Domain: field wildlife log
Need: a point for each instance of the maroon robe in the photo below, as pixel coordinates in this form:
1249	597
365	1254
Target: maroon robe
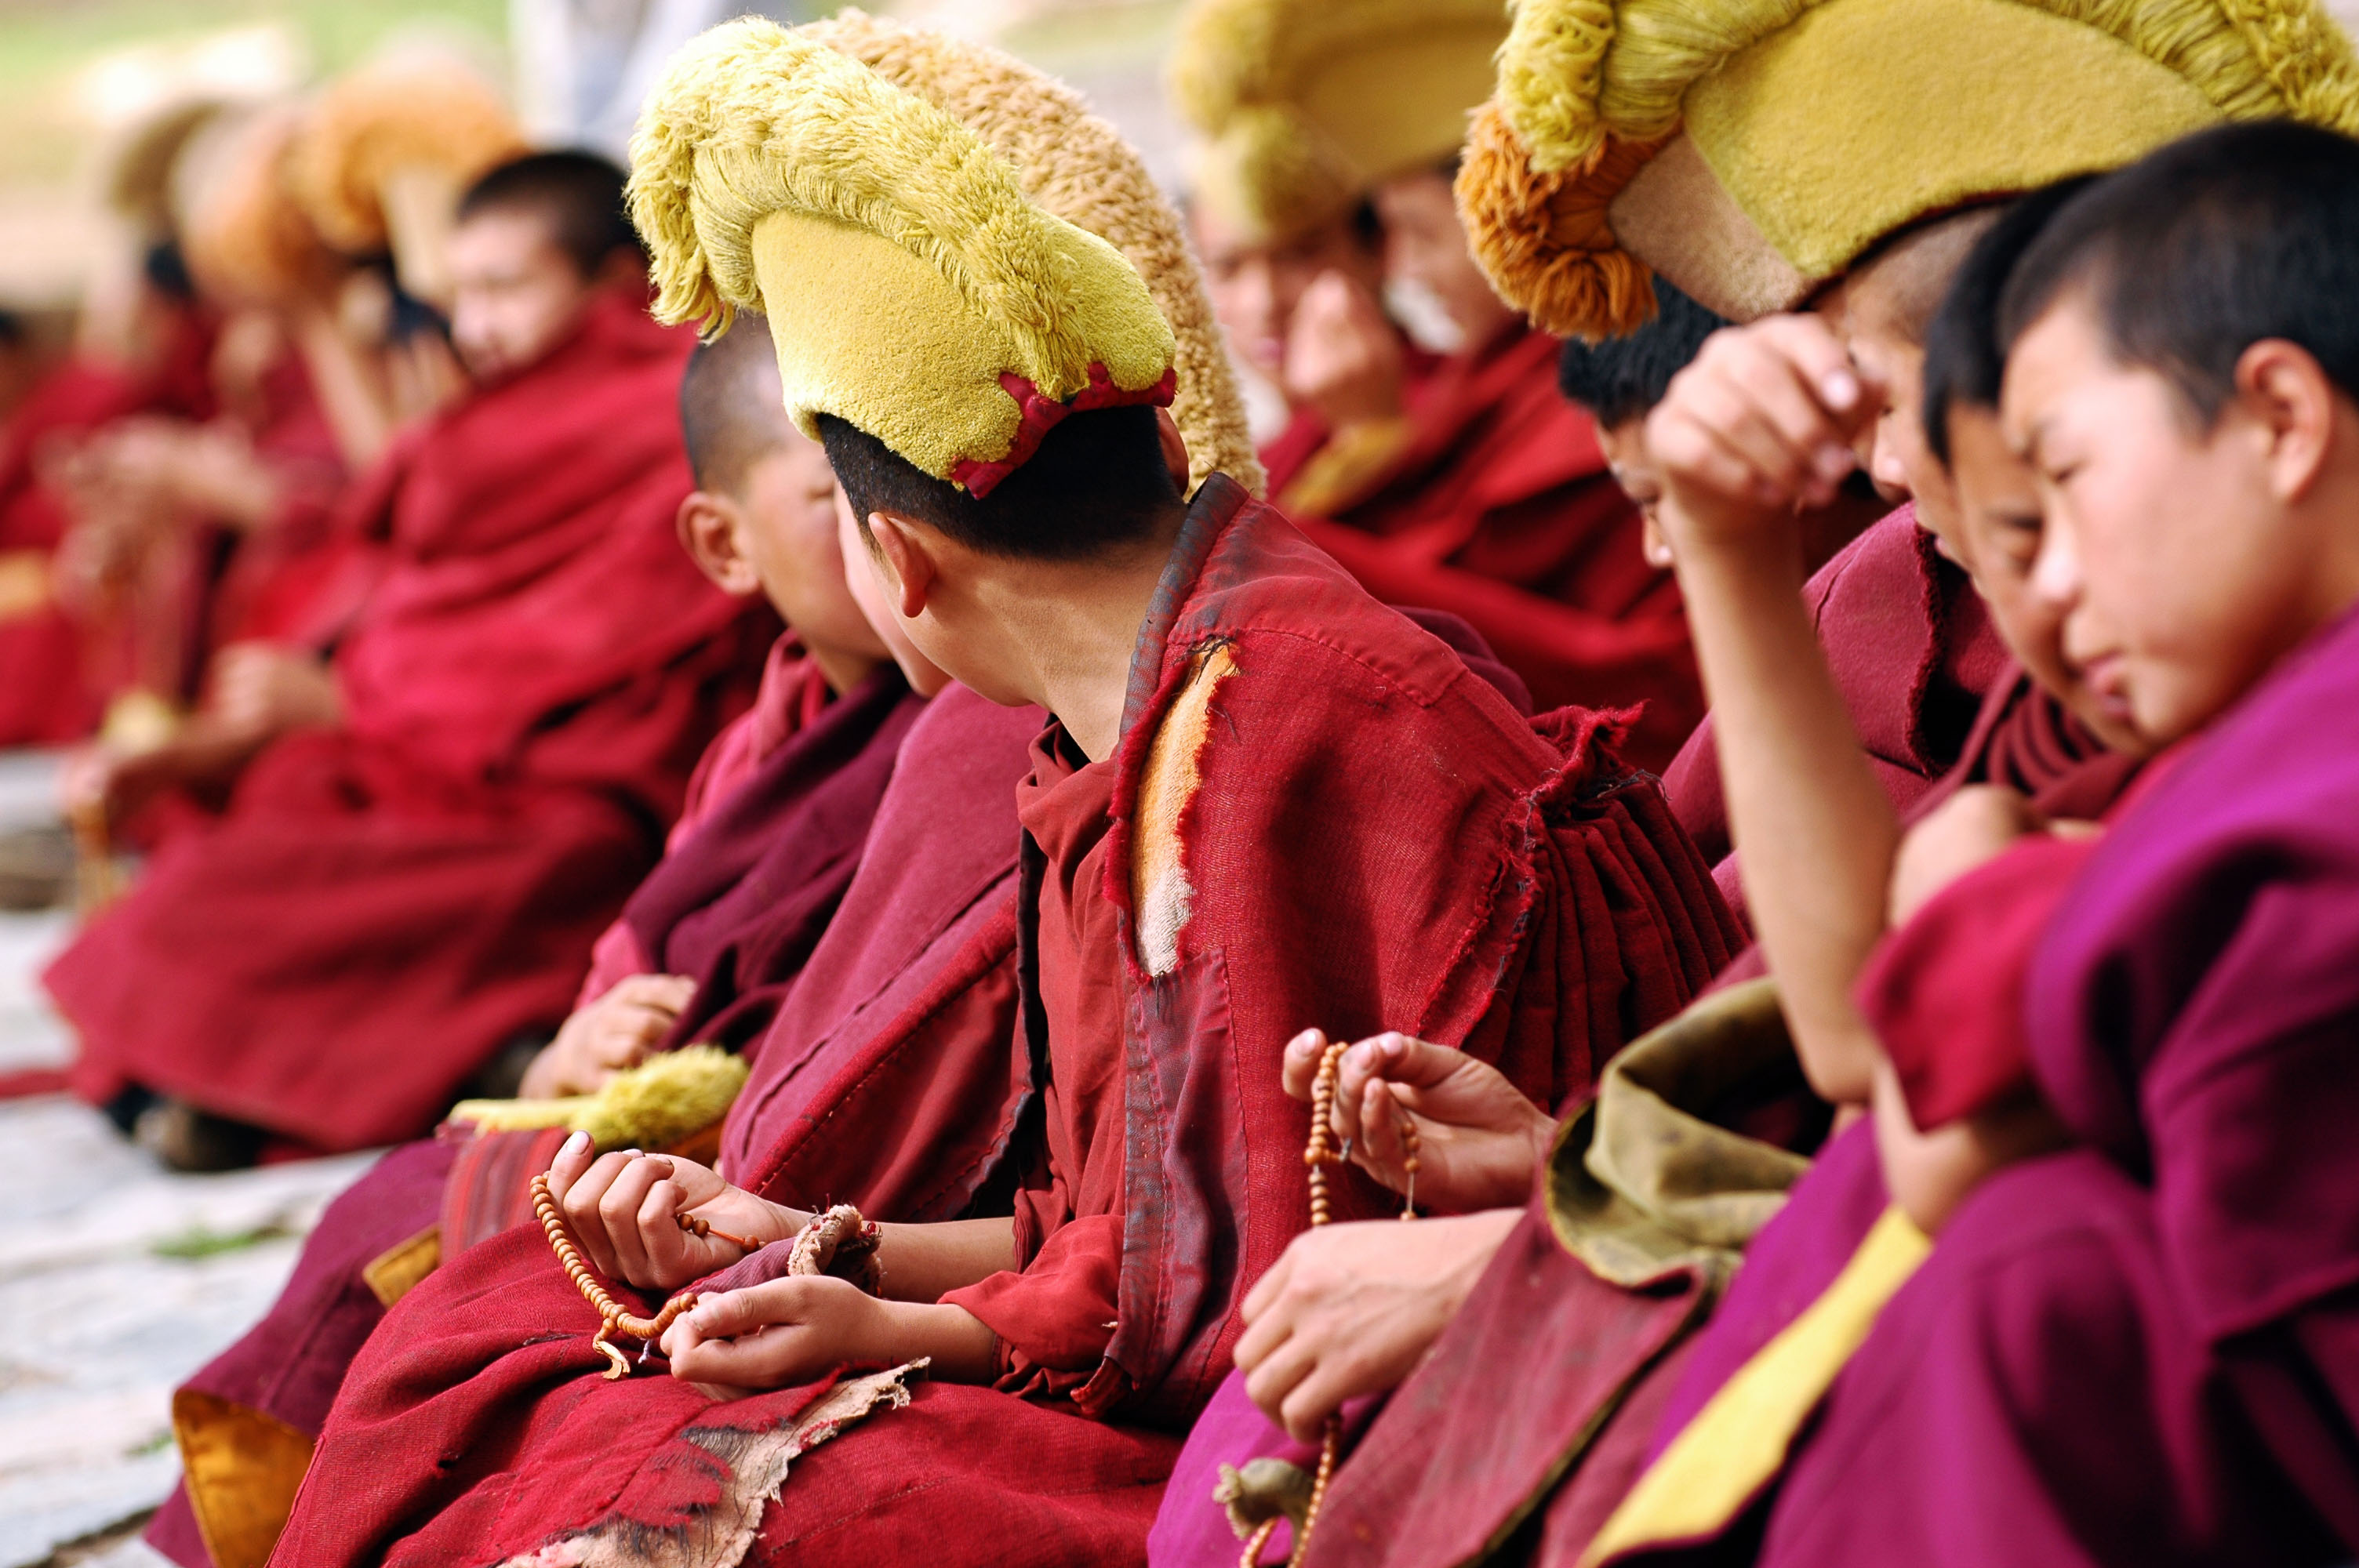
1540	1402
1571	913
1914	654
384	906
1500	508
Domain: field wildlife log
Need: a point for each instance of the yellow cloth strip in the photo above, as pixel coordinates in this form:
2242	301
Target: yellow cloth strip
1738	1441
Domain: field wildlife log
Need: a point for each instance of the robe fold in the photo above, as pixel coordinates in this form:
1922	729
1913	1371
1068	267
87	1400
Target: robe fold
384	906
1494	503
1914	655
59	670
2193	1012
1529	899
787	793
1589	1337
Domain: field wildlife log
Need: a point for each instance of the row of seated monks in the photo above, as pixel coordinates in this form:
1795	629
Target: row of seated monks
946	1081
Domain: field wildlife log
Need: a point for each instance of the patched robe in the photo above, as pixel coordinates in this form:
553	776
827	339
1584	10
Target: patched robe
1531	900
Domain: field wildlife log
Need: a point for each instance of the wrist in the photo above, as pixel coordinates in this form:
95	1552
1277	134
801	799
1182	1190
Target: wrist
963	1350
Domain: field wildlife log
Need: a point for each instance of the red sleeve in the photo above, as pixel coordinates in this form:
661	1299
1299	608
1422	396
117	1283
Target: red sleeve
1055	1318
1944	993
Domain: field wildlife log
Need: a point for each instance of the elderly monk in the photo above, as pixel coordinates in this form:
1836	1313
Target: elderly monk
412	869
1018	496
1460	481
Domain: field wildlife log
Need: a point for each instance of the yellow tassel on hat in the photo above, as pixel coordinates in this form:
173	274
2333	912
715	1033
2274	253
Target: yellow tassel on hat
1750	150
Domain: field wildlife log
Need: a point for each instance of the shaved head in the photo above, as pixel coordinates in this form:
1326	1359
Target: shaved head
732	406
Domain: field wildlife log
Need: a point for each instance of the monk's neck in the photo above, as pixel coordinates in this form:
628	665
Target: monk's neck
840	670
1071	632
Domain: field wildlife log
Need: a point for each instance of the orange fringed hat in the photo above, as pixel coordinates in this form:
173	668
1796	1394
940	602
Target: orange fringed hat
241	228
1752	150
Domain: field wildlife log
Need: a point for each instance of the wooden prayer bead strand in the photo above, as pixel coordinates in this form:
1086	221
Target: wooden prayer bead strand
704	1227
613	1317
1318	1154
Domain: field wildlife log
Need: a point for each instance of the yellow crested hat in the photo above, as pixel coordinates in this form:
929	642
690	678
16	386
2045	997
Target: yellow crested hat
240	226
913	289
1752	150
1079	168
1302	106
386	152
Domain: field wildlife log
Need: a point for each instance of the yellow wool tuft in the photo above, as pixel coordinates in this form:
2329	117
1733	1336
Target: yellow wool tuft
1302	106
1077	167
756	131
1578	78
663	1101
371	123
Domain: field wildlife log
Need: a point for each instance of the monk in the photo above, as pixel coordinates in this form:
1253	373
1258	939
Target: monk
1458	479
764	854
1154	1169
1580	1317
426	834
2178	379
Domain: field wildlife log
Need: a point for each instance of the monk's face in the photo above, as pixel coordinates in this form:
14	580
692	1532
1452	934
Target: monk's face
1255	288
2181	561
1425	249
1625	446
1868	320
515	295
1997	535
861	576
789	534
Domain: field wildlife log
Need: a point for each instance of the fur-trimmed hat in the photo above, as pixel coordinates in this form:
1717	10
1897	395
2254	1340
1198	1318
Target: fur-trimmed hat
1752	150
385	151
242	229
1302	105
1079	168
913	287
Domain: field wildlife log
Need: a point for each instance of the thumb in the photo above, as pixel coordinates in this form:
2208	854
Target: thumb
728	1314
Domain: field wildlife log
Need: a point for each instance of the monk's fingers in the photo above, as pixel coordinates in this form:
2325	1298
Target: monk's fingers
1302	1062
664	993
1693	457
1275	1378
1319	1393
626	1032
1380	1151
669	1250
1816	360
618	1214
1735	415
580	1204
1266	1294
770	1358
573	1157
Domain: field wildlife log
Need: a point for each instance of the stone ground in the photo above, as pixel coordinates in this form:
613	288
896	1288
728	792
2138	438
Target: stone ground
116	1279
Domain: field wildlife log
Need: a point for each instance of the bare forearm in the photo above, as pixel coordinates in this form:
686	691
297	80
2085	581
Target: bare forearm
922	1262
1815	831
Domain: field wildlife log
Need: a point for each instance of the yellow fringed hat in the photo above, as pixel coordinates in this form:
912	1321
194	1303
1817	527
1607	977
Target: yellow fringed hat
240	226
1302	106
1752	150
913	289
386	152
1079	168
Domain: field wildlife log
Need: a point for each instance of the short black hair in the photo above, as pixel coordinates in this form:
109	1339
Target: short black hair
1096	482
2193	254
578	194
1965	364
730	410
1621	379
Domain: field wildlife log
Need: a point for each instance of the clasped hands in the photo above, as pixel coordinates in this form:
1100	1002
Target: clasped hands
1349	1308
623	1210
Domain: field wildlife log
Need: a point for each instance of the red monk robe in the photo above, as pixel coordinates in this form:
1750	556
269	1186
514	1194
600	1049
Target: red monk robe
802	764
298	576
52	692
1498	508
385	906
1542	1396
1914	654
1573	912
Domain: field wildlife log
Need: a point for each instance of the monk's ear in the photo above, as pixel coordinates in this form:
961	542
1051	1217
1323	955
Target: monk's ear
1175	449
908	549
711	529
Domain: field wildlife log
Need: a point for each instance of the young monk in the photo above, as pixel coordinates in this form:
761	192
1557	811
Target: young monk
1111	1290
762	856
1655	1189
1461	481
410	879
2194	459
